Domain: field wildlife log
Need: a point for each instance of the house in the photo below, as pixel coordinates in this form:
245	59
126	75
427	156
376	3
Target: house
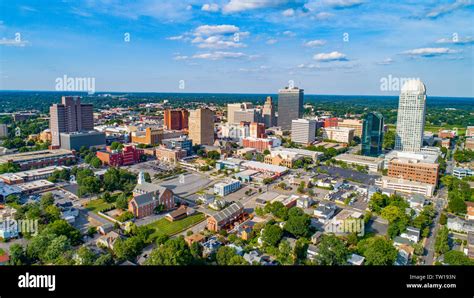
105	228
400	241
253	257
180	213
460	225
4	258
226	217
470	245
210	246
355	260
108	240
148	196
8	229
325	211
199	238
245	230
304	202
412	234
417	201
312	252
238	249
470	210
325	183
403	257
316	237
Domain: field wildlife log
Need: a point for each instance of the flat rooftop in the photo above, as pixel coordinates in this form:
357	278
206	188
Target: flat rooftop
25	156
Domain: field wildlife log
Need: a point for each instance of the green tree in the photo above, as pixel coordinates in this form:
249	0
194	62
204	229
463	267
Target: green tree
85	256
173	252
298	225
377	251
441	242
18	255
331	251
285	254
271	235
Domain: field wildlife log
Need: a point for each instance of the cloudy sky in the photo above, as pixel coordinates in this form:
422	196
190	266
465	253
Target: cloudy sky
239	46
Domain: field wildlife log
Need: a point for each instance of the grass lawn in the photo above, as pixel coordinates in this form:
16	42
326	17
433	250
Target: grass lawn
165	227
97	205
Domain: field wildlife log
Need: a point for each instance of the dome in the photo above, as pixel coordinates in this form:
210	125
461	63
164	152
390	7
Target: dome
416	86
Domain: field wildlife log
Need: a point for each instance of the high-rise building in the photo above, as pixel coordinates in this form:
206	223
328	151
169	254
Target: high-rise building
176	119
70	116
257	130
201	126
290	106
269	112
303	131
411	116
356	124
233	107
248	115
372	134
3	130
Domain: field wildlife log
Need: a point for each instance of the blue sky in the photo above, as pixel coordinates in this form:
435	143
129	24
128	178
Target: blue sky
239	46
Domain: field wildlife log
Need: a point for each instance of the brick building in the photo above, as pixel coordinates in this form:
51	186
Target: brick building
176	119
128	156
225	218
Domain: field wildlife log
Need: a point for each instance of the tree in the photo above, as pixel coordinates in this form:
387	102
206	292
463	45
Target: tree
377	202
18	255
89	185
129	248
62	227
441	242
196	250
285	254
224	255
147	177
391	213
173	252
96	162
85	256
331	251
56	248
298	225
457	205
47	199
377	251
104	260
271	235
389	140
122	201
454	257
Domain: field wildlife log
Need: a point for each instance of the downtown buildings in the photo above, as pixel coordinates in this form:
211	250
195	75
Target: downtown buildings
411	116
176	119
268	113
201	126
70	116
372	134
290	106
303	131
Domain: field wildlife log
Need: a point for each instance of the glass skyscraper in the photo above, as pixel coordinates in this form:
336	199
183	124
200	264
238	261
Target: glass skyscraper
372	134
290	106
411	117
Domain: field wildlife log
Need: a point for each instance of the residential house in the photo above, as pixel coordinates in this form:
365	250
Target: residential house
316	237
253	257
312	252
210	246
108	240
412	234
180	213
470	245
470	210
304	202
356	260
325	211
199	238
225	218
417	201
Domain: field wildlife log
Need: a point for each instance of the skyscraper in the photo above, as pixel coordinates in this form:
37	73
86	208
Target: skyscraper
176	119
233	107
269	112
290	106
411	116
303	131
201	126
70	116
372	134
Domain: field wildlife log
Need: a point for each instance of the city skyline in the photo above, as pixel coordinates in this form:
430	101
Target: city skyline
230	46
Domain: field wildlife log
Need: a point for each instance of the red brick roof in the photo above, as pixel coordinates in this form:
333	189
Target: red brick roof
4	258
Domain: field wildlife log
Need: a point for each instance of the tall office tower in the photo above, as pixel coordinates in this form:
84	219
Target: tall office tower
372	134
411	117
249	115
201	126
233	107
269	112
176	119
257	130
70	116
303	131
290	106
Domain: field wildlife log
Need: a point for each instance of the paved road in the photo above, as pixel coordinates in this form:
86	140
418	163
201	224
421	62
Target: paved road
428	256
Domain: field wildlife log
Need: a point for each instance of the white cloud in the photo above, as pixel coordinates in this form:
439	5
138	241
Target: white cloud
178	37
210	7
430	52
216	42
272	41
448	8
13	42
180	57
288	12
289	33
243	5
339	4
218	55
386	61
453	40
207	30
315	43
327	57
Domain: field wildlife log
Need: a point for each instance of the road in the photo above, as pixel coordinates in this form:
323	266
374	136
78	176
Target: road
428	256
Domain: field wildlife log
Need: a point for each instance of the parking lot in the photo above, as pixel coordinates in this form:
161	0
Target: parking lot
367	179
185	187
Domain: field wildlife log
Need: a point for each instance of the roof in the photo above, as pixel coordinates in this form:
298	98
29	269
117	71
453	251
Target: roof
178	212
355	259
146	198
146	187
228	212
414	86
4	258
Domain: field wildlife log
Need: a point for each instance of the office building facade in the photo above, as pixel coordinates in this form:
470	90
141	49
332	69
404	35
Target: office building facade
201	126
176	119
290	106
268	113
372	134
303	131
411	117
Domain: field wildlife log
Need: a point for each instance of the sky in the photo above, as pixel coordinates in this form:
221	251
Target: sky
340	47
